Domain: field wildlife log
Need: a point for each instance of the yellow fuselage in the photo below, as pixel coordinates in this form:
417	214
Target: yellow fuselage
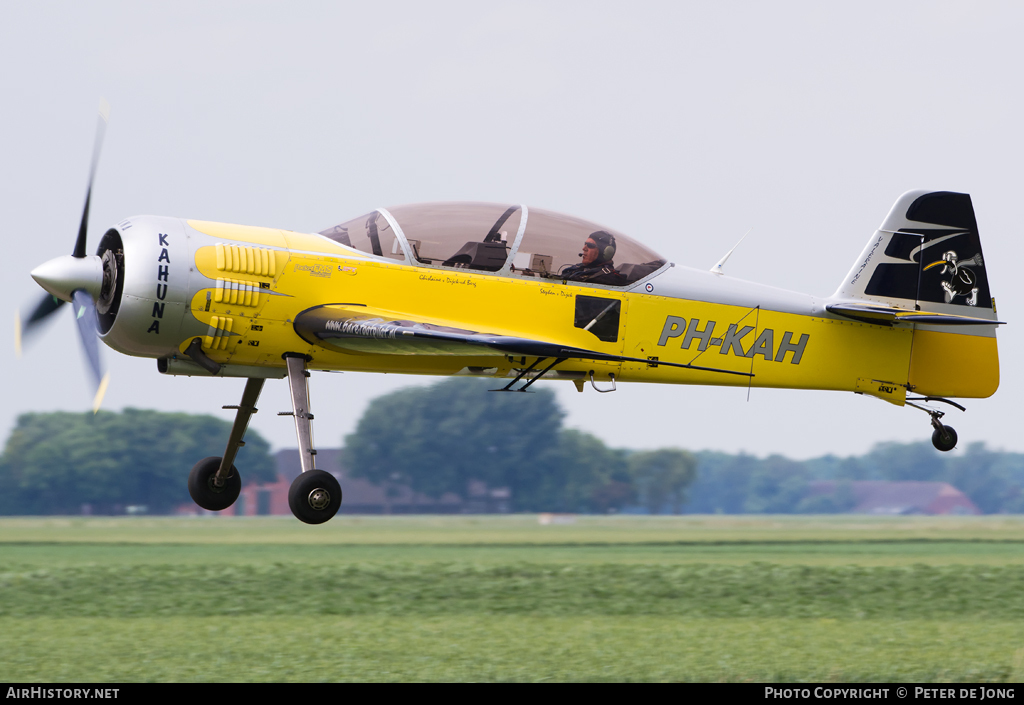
265	278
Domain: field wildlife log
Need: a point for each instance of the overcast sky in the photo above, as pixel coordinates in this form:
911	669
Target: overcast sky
681	124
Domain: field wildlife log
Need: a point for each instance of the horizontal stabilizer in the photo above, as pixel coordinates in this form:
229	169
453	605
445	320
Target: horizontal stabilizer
887	315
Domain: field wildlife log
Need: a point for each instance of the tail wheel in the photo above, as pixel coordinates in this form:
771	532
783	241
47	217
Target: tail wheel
944	438
314	497
206	492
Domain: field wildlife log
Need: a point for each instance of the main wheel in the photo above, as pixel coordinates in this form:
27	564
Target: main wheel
944	438
207	494
314	496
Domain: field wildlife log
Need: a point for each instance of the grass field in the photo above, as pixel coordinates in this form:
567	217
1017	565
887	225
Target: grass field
505	598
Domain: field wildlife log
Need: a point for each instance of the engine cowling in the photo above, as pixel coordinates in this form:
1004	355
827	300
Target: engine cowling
143	305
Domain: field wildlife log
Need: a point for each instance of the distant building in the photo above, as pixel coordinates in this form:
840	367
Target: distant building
898	498
359	496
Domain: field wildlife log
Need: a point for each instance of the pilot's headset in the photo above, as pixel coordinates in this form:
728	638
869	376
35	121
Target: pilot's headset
605	245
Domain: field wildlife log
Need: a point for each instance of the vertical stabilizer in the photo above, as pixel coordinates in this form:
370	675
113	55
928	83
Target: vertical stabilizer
926	254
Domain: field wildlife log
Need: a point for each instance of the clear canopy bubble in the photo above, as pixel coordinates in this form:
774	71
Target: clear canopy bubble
510	239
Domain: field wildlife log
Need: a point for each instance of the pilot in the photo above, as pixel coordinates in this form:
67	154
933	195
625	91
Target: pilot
597	266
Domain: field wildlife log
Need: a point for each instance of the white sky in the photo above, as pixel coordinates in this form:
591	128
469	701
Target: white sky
681	124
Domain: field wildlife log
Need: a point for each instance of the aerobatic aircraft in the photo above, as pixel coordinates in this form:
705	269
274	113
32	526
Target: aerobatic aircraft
519	294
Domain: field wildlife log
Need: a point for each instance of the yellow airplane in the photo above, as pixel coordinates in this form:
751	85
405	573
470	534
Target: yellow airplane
520	294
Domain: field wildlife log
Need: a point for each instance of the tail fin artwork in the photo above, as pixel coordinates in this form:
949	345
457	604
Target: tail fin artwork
926	252
924	266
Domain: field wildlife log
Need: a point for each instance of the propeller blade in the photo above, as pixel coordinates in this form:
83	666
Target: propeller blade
88	333
75	275
24	328
47	305
101	128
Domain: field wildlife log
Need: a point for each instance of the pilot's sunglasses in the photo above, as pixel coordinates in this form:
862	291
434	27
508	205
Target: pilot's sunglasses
590	245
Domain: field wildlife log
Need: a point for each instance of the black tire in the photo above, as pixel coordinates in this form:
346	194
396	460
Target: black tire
944	439
314	496
206	494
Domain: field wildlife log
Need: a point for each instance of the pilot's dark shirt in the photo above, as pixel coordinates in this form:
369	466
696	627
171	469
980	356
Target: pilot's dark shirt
603	273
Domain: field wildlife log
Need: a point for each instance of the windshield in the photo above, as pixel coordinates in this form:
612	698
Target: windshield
369	233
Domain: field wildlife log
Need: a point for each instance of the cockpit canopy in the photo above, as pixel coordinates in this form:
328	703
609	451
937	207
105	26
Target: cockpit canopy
509	239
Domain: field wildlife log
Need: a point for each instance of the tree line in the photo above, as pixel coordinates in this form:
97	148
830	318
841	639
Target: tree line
743	484
54	463
439	439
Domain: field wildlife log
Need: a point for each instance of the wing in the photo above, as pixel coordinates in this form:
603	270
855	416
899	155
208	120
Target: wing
887	315
353	328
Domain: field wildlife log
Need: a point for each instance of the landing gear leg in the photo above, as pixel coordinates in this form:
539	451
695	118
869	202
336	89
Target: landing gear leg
315	495
943	437
214	483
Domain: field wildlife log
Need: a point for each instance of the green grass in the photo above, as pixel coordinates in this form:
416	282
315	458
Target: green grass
833	553
507	648
504	598
513	529
754	590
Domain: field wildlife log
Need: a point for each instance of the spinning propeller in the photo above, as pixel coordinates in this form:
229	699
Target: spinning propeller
78	278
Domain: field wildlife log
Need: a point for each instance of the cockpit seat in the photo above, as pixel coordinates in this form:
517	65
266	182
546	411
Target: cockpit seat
486	256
